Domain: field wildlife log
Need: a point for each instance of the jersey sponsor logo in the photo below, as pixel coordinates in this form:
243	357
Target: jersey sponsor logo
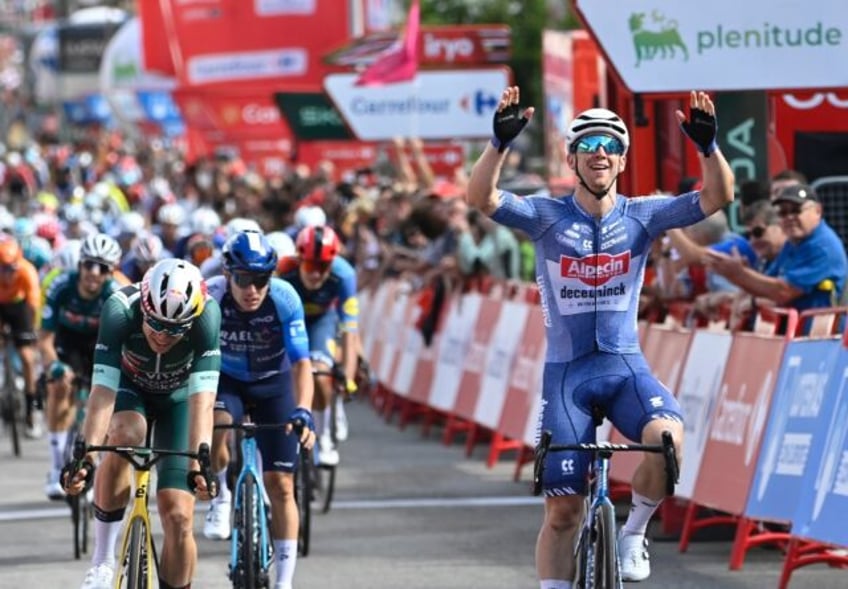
596	269
297	328
263	319
210	353
351	306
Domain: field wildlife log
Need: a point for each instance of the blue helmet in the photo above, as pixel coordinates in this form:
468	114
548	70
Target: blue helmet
249	251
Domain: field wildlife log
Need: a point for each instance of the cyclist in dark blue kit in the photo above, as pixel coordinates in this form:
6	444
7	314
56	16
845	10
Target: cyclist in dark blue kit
265	363
326	283
591	250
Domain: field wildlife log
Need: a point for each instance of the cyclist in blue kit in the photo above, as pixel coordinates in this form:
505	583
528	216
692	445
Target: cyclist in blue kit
591	250
265	365
326	283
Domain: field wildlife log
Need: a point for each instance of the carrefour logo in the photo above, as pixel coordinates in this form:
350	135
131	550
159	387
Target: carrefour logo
479	102
657	37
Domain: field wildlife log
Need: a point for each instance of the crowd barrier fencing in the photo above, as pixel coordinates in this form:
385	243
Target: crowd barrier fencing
766	435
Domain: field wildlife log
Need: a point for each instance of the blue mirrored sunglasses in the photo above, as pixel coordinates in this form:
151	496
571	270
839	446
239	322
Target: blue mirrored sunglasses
592	143
172	329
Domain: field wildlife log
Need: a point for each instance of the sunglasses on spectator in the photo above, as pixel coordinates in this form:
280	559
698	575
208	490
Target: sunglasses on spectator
93	266
244	280
172	329
311	266
755	232
592	143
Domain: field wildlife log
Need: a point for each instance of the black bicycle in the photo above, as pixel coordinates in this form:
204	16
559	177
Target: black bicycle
11	398
596	555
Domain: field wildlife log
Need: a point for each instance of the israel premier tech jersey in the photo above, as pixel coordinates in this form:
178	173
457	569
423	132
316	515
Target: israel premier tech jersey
590	271
262	343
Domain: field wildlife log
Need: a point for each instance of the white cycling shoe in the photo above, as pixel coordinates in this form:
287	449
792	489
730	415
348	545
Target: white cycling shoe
635	560
341	421
328	455
98	577
217	524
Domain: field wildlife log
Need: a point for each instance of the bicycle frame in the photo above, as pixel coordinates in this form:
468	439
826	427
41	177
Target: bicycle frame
250	461
140	513
598	501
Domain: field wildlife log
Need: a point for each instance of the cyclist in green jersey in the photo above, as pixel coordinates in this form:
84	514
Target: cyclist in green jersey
157	358
70	318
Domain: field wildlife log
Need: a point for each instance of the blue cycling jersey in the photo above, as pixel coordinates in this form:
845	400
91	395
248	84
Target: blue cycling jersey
338	292
262	343
589	270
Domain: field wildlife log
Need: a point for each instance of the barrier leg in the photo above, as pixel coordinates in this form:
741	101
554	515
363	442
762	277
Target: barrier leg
430	418
499	444
740	543
454	425
788	563
471	439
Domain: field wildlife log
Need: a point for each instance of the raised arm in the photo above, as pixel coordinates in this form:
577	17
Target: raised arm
701	128
482	190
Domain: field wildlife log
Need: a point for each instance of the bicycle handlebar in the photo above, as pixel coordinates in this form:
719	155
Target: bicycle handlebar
606	449
251	428
144	458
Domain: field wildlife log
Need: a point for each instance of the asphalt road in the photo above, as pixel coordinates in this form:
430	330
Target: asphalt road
410	512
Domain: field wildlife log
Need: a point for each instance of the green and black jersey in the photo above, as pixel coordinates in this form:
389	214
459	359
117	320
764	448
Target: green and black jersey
67	313
124	360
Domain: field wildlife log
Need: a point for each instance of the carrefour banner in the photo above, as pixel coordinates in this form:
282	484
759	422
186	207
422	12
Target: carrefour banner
800	413
823	506
669	46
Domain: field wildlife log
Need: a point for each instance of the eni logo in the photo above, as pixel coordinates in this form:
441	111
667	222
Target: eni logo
661	42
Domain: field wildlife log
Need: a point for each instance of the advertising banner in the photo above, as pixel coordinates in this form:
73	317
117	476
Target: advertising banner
225	41
526	372
457	333
743	134
665	350
395	319
671	46
311	115
824	495
800	411
371	332
345	155
473	370
455	104
500	358
697	393
742	408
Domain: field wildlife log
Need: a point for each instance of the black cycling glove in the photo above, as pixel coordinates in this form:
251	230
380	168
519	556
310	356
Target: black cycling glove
507	125
701	128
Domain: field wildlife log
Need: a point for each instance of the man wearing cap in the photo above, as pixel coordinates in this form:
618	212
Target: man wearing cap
810	270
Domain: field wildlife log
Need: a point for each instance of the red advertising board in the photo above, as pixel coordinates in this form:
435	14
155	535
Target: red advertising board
521	393
217	42
470	383
438	46
345	155
245	112
741	413
824	111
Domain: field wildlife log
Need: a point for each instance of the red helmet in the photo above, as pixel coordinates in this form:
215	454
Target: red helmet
10	251
317	244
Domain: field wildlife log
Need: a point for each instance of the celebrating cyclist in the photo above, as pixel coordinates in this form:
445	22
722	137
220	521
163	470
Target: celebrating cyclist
70	319
326	283
20	299
265	371
157	359
591	249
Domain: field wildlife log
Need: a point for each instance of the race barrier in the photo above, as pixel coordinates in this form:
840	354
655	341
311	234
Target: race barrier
766	448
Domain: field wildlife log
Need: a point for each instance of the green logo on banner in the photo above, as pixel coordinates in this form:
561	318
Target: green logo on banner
311	116
661	40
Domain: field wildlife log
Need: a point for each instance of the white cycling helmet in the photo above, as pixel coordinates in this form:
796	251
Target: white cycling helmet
171	214
597	120
68	256
310	216
240	224
204	220
147	249
101	248
131	223
173	291
282	243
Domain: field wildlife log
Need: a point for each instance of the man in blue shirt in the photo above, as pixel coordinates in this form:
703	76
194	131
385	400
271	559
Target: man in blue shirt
810	270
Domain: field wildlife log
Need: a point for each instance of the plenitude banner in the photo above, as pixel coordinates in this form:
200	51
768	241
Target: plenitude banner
672	46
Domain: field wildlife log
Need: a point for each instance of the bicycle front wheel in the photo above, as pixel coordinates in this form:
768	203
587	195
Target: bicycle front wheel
605	569
303	496
136	557
248	533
